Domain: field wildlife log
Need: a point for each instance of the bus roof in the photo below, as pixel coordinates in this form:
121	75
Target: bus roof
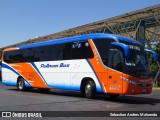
81	38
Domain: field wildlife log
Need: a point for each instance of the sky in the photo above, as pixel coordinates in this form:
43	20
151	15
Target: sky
21	20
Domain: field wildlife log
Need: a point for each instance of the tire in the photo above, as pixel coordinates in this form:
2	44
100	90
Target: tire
21	84
89	89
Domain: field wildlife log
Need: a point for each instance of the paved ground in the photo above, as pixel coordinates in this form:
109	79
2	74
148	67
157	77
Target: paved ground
13	100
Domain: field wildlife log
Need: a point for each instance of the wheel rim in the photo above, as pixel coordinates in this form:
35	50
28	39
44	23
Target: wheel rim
88	90
20	84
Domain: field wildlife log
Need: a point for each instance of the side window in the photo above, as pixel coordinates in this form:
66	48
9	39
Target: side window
18	56
87	51
103	46
77	50
9	57
66	51
81	50
46	53
54	52
26	55
60	51
115	59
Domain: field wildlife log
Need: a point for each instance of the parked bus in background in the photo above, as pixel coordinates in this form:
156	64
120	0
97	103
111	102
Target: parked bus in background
92	63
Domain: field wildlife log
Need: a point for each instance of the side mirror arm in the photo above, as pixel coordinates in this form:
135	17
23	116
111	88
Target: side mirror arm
155	56
123	46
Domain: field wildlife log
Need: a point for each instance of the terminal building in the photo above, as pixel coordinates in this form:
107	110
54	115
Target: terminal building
142	25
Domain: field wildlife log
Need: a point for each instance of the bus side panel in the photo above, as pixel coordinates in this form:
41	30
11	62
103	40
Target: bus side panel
10	75
109	79
98	68
61	74
115	85
30	74
66	74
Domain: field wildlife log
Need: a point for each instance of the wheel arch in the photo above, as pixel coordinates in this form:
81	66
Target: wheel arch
19	78
27	84
85	80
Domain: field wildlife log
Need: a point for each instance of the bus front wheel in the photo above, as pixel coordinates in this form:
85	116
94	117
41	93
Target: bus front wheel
89	89
21	84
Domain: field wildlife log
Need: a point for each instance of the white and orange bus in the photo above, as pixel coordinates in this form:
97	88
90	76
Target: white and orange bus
92	63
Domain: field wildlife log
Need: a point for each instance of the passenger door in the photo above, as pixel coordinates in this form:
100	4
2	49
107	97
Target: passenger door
116	67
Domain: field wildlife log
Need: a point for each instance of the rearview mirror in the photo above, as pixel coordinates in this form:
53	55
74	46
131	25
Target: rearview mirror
123	46
155	56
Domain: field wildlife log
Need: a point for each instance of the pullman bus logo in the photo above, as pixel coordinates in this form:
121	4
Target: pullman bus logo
54	66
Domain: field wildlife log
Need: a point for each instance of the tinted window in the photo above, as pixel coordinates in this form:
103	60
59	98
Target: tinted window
103	46
43	53
60	52
81	50
46	53
10	56
115	60
66	51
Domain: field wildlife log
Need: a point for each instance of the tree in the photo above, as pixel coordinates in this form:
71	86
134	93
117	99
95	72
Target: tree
154	66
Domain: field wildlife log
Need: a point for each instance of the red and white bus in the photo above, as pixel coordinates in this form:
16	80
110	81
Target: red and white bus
92	63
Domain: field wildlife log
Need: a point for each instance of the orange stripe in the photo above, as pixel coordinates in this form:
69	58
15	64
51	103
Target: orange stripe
9	49
120	86
30	74
101	72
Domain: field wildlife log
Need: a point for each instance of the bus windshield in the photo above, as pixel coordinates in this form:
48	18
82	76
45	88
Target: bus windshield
136	63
